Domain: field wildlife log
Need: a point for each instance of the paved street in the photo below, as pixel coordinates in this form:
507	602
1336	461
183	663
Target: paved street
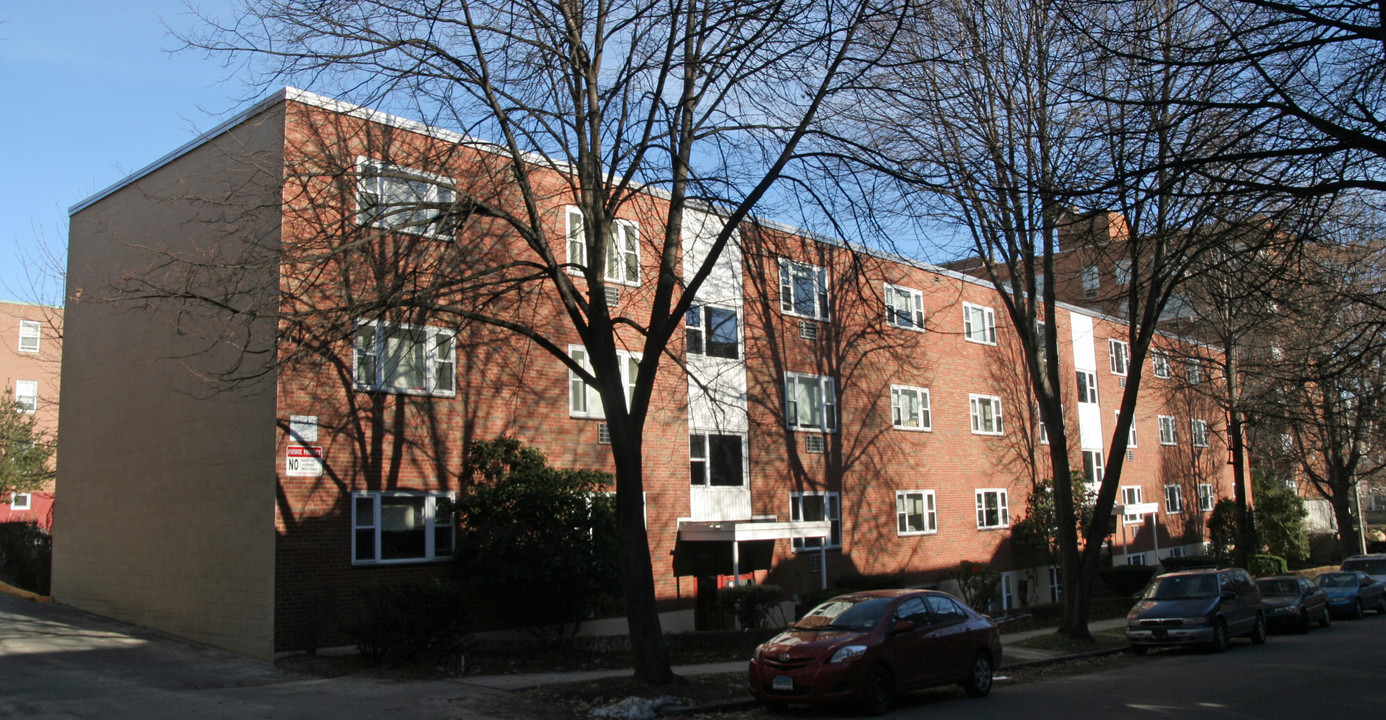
59	663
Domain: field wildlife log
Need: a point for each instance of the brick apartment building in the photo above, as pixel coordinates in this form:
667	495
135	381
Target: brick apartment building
32	339
836	411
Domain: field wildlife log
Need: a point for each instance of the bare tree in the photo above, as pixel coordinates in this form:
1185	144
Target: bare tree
653	109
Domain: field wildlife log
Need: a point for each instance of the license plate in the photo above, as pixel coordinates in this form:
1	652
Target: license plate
1160	634
782	682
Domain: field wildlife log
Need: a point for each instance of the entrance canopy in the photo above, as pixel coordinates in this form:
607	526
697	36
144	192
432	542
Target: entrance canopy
735	532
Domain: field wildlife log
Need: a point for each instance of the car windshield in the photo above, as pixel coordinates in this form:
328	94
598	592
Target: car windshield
1371	566
1278	587
1337	580
1183	586
848	612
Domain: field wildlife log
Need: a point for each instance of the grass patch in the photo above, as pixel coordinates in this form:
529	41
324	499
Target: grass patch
1101	640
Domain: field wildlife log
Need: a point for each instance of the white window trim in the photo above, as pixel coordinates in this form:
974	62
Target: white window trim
915	310
930	502
707	462
432	362
1099	466
926	417
796	510
1206	500
705	328
21	501
26	395
1003	508
1092	281
821	298
30	330
988	330
622	244
1159	365
1089	379
1193	371
974	403
827	414
440	185
574	240
431	554
1198	431
1119	350
1126	492
1178	505
1166	422
1131	434
592	398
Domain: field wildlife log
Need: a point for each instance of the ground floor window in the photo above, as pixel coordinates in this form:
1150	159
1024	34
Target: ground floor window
816	506
392	527
1056	584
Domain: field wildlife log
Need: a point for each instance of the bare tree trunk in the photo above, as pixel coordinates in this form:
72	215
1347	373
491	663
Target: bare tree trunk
649	652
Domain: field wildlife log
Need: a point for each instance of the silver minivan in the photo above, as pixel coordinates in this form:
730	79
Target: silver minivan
1197	607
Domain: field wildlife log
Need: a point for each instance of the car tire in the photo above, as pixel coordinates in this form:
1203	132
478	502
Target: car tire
1303	622
1258	631
877	690
1357	610
1326	619
1219	644
979	682
1381	608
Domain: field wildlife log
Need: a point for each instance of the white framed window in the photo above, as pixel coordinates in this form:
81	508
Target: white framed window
979	324
405	359
1131	434
993	510
26	395
622	248
1131	495
406	200
1193	371
21	501
1056	584
909	408
1091	281
915	512
1135	558
1168	435
1174	499
803	290
1093	467
1118	352
986	414
717	460
713	331
1121	269
904	307
816	506
584	400
1043	433
1205	497
30	335
810	402
1007	590
1087	386
1159	364
1199	432
399	527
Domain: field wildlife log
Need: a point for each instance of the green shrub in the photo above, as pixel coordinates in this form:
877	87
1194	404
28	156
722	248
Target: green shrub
1190	562
1126	580
410	622
881	581
1267	565
752	604
26	556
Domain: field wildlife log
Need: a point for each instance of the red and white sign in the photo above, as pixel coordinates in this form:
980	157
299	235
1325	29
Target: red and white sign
303	461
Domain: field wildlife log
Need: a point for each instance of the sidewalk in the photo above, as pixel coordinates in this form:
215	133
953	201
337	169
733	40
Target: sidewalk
1013	656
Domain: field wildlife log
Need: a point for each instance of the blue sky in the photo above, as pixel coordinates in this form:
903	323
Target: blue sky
91	94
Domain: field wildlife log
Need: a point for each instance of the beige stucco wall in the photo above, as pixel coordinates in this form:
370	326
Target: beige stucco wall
168	478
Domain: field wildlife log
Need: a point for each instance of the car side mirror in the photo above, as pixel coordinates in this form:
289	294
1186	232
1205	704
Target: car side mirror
902	627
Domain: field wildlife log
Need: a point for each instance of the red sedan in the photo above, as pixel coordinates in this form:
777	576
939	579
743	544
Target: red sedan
866	647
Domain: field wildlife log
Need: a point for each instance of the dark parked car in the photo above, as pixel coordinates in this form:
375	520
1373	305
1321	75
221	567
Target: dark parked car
868	646
1353	592
1292	602
1197	607
1374	565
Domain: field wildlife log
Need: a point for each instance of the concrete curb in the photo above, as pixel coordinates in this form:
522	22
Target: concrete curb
24	594
1058	659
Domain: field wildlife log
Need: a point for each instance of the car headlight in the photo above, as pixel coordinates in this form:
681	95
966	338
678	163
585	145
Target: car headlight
847	652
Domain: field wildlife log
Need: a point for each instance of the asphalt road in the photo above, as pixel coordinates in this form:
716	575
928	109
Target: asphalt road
59	663
1332	673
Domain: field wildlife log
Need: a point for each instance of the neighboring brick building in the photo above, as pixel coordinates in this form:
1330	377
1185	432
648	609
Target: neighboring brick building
31	336
841	412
